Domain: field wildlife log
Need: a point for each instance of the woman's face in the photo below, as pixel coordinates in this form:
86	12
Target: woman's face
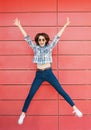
41	41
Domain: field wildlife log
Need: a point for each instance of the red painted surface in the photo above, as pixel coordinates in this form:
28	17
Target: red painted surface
70	5
71	64
33	122
23	6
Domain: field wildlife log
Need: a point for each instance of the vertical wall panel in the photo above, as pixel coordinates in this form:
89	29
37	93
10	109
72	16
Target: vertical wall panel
72	45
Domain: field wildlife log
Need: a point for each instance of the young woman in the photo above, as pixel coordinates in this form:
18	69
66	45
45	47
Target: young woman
43	59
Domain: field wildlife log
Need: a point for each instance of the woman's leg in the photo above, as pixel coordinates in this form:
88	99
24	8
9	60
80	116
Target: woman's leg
54	82
35	85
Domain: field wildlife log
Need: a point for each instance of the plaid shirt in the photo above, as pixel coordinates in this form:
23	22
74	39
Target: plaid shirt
42	55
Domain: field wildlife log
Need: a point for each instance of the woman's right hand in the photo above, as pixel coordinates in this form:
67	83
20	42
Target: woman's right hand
17	22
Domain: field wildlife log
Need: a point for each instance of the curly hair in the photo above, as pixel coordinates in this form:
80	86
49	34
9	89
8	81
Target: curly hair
44	35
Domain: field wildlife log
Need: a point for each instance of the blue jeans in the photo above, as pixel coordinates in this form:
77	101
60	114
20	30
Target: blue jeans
41	76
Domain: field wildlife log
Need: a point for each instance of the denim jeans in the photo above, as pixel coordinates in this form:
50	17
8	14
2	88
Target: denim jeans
41	76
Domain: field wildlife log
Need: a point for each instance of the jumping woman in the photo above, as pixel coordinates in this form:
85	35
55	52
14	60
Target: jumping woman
43	60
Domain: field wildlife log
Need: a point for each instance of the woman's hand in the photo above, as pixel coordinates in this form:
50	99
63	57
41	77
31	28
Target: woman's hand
17	22
68	21
63	28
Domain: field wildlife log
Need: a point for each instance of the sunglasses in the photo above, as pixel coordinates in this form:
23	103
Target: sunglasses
41	39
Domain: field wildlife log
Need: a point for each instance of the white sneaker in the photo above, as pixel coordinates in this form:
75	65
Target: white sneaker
77	113
21	119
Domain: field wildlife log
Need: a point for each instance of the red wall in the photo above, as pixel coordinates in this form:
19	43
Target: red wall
71	64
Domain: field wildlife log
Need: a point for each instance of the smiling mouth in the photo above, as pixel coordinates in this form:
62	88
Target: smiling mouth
42	44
